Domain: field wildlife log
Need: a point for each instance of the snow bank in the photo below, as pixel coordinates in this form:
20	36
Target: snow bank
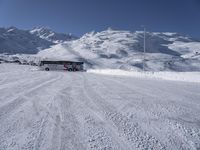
175	76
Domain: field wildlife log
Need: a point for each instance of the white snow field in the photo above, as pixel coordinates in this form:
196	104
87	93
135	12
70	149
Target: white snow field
174	76
85	111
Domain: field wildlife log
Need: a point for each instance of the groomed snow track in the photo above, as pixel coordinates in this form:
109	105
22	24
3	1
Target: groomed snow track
82	111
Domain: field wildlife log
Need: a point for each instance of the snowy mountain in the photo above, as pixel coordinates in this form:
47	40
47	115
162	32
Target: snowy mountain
124	50
49	35
113	49
13	40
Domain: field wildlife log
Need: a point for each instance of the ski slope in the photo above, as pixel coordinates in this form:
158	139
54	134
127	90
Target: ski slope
85	111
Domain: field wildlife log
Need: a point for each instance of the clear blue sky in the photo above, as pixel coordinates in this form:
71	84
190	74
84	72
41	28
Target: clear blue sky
81	16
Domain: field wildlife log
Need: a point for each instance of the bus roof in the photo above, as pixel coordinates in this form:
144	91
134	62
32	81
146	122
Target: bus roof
59	62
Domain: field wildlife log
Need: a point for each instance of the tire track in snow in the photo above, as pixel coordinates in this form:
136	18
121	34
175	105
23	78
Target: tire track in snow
42	113
136	137
3	80
138	106
97	134
14	79
70	127
39	122
176	129
98	111
38	138
49	126
177	135
65	128
49	130
56	137
20	82
12	90
106	129
22	98
165	94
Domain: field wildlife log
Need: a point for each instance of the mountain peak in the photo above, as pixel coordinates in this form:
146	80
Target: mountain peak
41	30
14	40
50	35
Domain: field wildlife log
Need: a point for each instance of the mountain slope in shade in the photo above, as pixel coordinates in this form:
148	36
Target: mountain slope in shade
13	40
124	50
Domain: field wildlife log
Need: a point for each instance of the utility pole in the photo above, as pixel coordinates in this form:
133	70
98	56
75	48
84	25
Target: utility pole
143	64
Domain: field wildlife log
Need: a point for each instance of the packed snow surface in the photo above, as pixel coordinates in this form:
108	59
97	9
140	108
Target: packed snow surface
175	76
85	111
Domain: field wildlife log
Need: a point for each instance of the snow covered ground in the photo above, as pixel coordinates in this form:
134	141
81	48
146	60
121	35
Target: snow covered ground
174	76
78	111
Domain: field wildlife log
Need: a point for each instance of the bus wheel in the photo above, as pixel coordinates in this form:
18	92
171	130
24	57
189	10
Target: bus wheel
47	69
70	69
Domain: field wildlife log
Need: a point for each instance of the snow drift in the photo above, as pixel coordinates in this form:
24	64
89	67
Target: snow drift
174	76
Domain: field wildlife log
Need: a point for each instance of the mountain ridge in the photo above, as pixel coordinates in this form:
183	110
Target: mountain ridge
14	40
113	49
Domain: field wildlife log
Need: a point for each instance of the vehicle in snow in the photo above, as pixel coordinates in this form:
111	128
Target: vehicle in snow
24	62
61	65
